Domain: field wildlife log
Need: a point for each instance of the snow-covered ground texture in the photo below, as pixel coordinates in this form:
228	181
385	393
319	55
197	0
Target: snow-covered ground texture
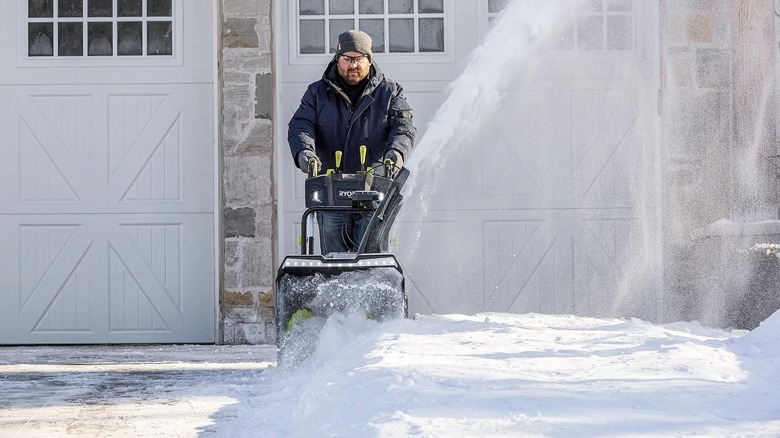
519	375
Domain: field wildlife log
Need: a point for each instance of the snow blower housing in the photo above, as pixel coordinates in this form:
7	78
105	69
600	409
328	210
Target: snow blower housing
369	280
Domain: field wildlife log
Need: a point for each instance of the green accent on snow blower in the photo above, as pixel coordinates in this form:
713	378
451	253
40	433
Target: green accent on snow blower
298	317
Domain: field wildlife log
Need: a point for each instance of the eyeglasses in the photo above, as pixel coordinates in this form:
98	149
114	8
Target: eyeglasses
350	59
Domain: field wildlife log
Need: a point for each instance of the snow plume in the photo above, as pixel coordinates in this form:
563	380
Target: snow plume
477	93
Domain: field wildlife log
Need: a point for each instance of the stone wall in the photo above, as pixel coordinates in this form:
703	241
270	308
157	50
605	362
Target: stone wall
247	299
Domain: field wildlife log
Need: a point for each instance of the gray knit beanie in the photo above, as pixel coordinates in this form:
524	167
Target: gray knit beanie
354	41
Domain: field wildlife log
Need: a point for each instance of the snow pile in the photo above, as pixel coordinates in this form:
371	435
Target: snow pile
519	375
763	342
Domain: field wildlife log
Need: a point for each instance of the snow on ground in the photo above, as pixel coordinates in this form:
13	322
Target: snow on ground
488	375
519	375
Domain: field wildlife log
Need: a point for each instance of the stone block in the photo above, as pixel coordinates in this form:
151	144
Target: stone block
239	32
246	180
240	313
246	60
680	68
238	299
712	68
237	94
699	29
264	222
243	8
265	34
267	306
239	222
231	253
256	140
256	271
264	96
230	280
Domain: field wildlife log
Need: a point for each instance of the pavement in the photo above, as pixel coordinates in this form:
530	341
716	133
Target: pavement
126	390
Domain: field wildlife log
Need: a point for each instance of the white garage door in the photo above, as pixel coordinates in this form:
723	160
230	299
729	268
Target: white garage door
107	181
537	214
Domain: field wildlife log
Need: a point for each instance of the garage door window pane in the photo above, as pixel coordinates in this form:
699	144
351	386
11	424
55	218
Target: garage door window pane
70	8
342	7
312	37
159	38
401	35
130	39
129	8
372	7
41	39
590	34
619	5
619	32
100	8
431	35
159	8
71	39
100	38
401	7
591	6
431	6
376	30
496	6
312	7
40	8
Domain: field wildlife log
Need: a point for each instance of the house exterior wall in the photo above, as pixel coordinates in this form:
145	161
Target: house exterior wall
247	298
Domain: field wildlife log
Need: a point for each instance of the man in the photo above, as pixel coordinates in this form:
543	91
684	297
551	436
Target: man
353	104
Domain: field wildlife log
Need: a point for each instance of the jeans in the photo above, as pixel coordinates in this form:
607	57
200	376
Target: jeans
341	232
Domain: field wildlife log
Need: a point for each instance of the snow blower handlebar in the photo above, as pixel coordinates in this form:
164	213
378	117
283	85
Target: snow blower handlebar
388	166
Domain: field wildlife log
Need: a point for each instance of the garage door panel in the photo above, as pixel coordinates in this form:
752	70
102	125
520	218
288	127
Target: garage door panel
106	151
604	136
519	264
438	275
148	167
47	167
137	299
54	266
108	278
603	250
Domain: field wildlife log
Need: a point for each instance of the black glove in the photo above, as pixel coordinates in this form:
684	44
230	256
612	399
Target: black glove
393	161
305	157
396	157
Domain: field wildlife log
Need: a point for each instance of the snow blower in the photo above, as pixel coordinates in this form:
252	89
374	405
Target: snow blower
368	281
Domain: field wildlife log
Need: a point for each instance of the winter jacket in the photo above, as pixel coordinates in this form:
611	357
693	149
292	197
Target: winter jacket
326	121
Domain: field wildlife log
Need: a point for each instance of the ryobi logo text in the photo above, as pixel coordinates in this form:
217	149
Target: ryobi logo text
346	193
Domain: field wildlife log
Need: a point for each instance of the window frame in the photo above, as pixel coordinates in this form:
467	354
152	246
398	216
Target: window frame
25	60
577	52
446	56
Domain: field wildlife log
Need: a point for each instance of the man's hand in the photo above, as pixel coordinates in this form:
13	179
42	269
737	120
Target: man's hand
307	158
395	157
393	161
